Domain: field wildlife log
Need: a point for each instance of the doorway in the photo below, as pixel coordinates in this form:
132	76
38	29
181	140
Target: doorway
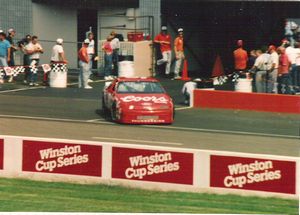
87	20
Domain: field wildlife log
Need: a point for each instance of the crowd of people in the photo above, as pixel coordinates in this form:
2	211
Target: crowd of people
32	50
274	69
86	56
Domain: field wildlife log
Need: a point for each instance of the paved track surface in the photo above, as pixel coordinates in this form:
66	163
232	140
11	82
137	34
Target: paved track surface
75	114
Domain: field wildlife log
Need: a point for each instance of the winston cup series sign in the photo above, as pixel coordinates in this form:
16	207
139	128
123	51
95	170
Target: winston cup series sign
253	174
152	165
1	153
63	158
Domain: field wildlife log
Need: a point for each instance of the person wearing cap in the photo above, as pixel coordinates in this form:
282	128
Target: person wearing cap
115	45
179	53
58	54
10	39
34	50
84	61
240	58
57	57
272	86
13	48
4	50
164	40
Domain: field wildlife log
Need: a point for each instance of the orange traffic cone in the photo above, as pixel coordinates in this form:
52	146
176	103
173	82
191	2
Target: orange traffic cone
185	76
218	69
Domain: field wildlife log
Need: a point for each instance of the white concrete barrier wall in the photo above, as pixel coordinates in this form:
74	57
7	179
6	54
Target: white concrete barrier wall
149	167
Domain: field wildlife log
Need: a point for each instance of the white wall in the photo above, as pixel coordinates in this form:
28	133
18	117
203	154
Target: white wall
51	22
114	21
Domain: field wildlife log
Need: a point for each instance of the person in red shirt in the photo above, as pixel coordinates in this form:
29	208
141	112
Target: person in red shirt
164	39
284	79
84	66
240	57
179	52
108	58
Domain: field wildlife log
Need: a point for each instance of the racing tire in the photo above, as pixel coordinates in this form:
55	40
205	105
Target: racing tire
105	110
113	112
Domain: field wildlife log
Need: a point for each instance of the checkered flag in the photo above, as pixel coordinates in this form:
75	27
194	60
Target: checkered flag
235	77
2	73
17	70
33	69
59	67
222	80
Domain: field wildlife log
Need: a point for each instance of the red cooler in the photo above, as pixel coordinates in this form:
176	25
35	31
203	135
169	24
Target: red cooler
135	36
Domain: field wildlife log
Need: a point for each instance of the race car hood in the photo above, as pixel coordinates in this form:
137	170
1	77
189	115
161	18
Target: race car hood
142	99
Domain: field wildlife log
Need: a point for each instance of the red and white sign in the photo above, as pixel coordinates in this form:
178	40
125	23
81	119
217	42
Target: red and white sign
46	68
152	165
1	153
8	71
253	174
63	158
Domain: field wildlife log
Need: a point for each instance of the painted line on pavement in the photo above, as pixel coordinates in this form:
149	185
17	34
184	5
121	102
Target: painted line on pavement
95	120
183	108
100	121
223	131
137	141
41	87
97	81
22	89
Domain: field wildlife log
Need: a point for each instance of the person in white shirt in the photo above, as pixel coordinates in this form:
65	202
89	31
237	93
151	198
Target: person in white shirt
272	83
57	57
58	54
297	73
187	91
34	49
291	53
91	53
115	44
262	65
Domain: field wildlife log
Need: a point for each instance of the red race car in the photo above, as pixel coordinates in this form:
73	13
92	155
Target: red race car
137	101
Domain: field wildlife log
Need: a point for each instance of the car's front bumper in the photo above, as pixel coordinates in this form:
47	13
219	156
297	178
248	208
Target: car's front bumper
146	117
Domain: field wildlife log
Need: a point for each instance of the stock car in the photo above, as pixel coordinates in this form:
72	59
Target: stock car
137	101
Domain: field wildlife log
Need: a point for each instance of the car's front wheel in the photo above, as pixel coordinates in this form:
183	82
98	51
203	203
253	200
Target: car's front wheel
105	110
113	112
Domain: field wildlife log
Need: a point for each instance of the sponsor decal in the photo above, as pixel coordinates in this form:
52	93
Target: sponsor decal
53	157
253	174
152	165
1	153
154	99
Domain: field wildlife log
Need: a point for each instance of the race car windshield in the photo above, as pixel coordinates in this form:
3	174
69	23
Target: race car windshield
140	87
